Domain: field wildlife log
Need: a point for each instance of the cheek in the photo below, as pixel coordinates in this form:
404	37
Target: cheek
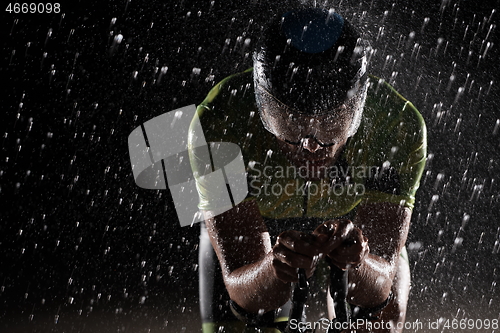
331	151
289	150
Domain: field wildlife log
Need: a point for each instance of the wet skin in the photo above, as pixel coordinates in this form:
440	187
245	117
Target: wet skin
312	154
259	276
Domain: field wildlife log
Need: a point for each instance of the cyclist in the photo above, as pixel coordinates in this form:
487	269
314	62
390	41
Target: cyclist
332	154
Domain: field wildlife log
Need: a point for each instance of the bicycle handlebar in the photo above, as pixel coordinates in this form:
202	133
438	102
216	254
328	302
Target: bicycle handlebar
338	291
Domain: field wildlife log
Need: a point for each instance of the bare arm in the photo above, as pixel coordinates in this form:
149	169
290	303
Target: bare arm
386	226
242	244
375	241
258	276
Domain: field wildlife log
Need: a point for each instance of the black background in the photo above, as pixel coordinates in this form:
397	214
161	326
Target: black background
83	249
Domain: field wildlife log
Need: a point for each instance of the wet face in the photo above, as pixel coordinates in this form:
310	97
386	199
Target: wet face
310	141
311	153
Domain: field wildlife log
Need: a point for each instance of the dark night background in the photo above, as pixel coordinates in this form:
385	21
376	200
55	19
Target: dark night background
83	249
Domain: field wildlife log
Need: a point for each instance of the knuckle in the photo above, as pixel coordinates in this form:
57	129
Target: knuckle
343	221
278	255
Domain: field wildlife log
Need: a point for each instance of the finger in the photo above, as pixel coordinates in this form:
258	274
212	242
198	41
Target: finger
344	228
330	234
284	272
347	257
342	265
355	236
299	242
350	262
328	228
293	259
352	253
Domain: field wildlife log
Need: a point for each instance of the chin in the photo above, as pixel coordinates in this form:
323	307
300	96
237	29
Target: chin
322	158
316	168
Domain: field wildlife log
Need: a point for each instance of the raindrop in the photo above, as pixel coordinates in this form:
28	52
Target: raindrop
439	178
49	33
488	45
497	126
440	234
465	220
426	21
496	247
12	56
492	26
434	198
268	155
72	31
414	246
411	38
13	25
459	94
380	33
450	82
163	71
118	39
489	88
476	192
387	60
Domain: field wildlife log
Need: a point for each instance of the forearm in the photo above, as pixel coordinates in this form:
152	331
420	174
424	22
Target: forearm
255	287
243	247
370	283
386	226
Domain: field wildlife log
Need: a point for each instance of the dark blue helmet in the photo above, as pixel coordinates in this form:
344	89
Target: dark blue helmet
311	59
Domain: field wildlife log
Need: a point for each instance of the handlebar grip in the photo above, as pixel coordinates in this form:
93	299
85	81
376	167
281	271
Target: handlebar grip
338	291
299	298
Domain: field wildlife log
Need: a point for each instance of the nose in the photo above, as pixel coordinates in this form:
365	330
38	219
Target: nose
311	144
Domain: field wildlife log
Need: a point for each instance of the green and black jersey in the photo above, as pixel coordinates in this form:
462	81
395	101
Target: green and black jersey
382	162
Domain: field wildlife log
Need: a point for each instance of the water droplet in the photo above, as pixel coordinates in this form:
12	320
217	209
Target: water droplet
118	38
495	129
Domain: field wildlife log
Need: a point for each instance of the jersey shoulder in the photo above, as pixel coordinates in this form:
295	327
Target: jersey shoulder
233	98
392	139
